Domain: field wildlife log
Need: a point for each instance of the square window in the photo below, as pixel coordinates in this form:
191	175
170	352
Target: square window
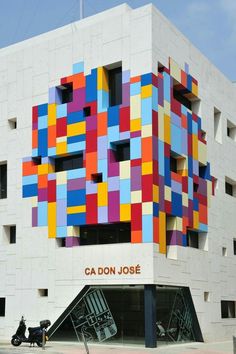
12	123
97	177
192	239
61	242
37	160
43	292
231	130
121	151
227	309
3	180
2	306
230	187
65	92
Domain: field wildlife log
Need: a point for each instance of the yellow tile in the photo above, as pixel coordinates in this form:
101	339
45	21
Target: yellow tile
61	177
147	168
61	148
73	231
45	169
195	146
76	129
162	232
125	212
146	91
146	131
155	190
136	197
52	115
102	194
102	83
52	220
76	209
124	169
147	208
135	124
135	106
194	89
167	129
168	193
195	220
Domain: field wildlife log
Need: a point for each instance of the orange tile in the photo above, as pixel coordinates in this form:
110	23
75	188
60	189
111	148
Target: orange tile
52	136
136	236
102	124
91	164
135	79
78	81
42	181
184	121
34	139
29	168
147	149
203	214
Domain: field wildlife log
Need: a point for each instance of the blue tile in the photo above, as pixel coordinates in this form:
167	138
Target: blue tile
75	198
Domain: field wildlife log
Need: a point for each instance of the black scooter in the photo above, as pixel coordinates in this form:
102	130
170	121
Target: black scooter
35	333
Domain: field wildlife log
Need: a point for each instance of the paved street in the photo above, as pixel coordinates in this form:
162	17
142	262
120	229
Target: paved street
74	348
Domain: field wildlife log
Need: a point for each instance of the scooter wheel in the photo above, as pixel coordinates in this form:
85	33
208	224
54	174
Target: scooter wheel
16	342
39	344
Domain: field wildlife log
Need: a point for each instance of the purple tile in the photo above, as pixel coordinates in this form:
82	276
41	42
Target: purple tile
91	123
61	212
136	179
77	183
42	194
113	206
102	214
72	241
34	216
160	92
125	95
174	237
202	186
78	102
135	134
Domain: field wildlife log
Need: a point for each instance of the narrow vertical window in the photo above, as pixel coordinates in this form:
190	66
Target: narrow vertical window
3	181
115	86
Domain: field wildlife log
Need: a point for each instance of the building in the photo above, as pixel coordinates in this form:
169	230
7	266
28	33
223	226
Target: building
117	174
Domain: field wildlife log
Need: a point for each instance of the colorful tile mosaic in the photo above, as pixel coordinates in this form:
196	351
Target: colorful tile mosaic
161	203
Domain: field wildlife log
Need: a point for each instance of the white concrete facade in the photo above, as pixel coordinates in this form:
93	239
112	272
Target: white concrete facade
139	38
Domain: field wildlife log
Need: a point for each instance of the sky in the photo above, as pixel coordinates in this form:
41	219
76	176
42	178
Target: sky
209	24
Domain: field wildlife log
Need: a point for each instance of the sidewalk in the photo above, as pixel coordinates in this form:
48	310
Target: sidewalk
76	348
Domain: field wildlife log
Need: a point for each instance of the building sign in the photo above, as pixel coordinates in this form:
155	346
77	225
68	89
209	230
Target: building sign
113	270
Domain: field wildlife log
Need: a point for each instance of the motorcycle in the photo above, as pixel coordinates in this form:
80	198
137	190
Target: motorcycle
35	333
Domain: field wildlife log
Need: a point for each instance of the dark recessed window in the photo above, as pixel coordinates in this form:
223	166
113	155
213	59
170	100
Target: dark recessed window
3	181
87	111
121	151
97	177
69	162
227	309
61	242
65	93
228	188
12	123
12	232
192	239
179	95
37	160
105	234
115	86
2	306
173	164
234	246
43	292
195	187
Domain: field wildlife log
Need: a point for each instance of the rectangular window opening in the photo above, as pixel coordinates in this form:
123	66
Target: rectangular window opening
12	123
196	106
65	93
180	94
121	151
231	130
114	72
224	251
192	239
234	246
43	292
87	111
105	234
66	163
230	187
206	296
37	160
61	242
2	306
177	163
3	180
9	233
217	125
97	177
227	309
